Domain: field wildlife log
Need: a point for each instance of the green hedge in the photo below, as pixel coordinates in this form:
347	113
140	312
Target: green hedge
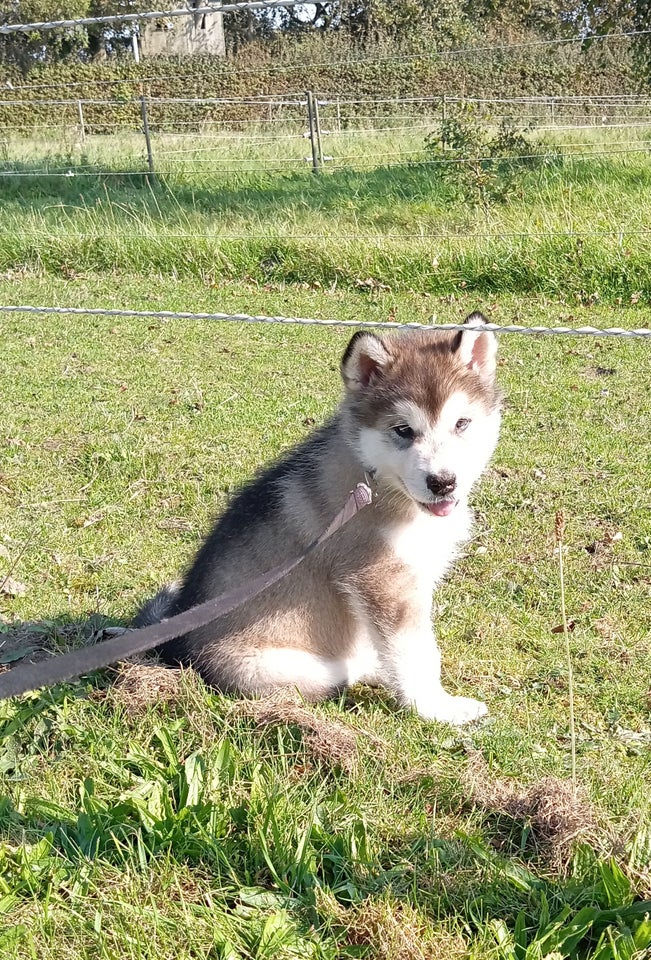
291	68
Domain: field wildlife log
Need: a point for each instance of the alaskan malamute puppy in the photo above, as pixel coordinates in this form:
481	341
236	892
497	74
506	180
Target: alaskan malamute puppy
420	416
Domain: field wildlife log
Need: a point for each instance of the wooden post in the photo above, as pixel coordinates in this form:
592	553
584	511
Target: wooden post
82	126
145	130
312	127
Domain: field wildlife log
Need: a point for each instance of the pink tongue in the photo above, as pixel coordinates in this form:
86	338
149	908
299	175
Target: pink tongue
441	508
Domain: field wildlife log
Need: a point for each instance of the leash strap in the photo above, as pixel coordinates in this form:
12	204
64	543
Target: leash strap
31	676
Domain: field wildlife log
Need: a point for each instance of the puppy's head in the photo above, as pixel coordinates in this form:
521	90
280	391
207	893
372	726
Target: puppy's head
424	410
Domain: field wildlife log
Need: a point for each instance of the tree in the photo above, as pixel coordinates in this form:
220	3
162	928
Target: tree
619	16
25	49
372	21
247	26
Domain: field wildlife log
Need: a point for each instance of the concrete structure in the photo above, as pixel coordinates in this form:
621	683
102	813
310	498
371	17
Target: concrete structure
201	33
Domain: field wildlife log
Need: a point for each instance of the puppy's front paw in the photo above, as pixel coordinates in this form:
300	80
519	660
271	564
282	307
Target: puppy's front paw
453	710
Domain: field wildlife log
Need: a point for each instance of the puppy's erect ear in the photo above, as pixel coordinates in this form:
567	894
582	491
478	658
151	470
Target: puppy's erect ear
365	358
477	350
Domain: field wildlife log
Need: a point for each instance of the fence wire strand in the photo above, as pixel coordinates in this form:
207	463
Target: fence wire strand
619	232
311	322
472	50
151	15
297	98
352	162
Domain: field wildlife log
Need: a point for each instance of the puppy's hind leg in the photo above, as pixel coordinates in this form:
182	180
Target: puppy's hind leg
272	669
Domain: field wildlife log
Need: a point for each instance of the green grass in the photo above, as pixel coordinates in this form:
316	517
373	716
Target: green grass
178	826
240	212
184	829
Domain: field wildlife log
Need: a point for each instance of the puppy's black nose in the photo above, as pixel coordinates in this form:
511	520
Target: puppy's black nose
441	484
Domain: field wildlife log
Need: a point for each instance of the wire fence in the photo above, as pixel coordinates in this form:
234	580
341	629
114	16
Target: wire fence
621	234
179	135
171	111
116	135
533	330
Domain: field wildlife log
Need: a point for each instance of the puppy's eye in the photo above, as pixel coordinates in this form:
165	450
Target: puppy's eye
404	432
462	424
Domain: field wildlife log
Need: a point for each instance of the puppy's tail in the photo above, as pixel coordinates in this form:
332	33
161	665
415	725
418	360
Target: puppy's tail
158	607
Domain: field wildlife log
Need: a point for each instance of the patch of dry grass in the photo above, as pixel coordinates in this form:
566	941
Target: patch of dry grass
327	741
390	930
140	685
556	814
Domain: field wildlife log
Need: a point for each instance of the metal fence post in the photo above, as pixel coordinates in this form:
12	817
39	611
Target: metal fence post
145	130
443	119
82	126
313	134
317	127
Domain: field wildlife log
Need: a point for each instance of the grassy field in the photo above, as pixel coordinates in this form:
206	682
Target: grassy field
572	225
141	815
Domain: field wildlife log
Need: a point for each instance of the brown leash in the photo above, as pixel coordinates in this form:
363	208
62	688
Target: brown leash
31	676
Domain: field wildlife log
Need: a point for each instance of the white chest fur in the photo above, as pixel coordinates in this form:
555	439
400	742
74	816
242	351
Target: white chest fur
428	544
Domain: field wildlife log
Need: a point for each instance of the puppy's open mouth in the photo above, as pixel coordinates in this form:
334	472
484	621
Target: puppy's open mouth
441	507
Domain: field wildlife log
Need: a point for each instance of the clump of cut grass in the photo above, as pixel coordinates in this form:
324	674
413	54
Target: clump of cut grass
326	741
556	814
140	685
388	930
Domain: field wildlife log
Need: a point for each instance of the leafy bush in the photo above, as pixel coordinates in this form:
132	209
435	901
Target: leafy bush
481	160
327	64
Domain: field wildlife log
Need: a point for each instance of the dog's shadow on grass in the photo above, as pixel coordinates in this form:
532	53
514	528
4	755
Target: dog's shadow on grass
34	641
